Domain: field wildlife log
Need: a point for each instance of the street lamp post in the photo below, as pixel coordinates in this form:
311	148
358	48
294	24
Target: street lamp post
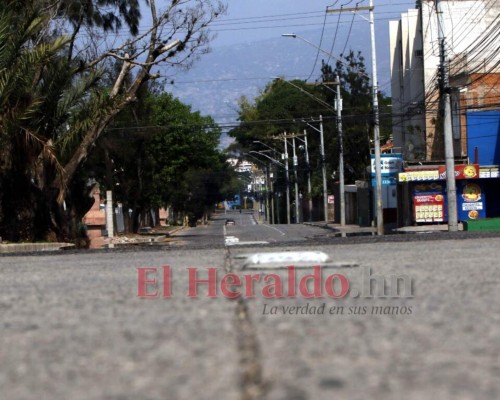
269	192
451	187
376	128
295	165
376	120
323	164
287	174
271	182
341	155
266	145
308	166
287	178
285	166
323	169
269	197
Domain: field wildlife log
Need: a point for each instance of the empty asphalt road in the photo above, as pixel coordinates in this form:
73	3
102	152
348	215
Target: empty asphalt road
73	327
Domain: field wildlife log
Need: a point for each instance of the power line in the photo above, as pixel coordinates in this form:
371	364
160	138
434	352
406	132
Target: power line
220	26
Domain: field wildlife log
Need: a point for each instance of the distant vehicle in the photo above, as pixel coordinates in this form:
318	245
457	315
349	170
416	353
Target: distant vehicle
230	221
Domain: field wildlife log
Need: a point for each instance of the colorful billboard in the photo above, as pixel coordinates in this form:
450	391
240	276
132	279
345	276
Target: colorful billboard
462	171
471	200
429	203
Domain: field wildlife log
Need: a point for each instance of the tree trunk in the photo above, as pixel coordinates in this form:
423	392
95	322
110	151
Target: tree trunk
24	212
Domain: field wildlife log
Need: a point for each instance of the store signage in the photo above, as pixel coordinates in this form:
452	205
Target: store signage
390	164
412	176
471	201
491	172
429	202
429	207
386	181
466	171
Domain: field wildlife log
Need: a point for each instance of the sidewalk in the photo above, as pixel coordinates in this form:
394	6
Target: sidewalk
344	230
426	228
352	229
153	236
347	230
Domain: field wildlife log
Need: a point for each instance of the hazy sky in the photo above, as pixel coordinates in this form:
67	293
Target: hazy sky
250	20
254	20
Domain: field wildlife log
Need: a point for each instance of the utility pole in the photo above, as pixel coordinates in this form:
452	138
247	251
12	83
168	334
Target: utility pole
287	178
309	189
323	168
451	189
341	154
376	116
285	137
268	217
376	128
323	163
271	177
295	165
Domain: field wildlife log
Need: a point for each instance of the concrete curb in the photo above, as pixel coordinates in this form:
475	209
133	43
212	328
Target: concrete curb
174	231
345	230
33	247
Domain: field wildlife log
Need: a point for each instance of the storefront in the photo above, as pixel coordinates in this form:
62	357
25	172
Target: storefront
478	192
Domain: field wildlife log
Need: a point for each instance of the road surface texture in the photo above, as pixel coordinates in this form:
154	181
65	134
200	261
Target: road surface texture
73	327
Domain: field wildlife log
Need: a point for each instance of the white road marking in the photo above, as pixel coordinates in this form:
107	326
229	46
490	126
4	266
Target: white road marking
276	229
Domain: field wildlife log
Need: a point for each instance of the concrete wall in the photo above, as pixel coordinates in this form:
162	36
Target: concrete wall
407	88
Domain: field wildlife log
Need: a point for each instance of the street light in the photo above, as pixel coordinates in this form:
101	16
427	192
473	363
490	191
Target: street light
341	148
287	185
322	148
376	128
319	101
269	147
269	217
265	155
287	177
338	102
308	166
323	163
295	165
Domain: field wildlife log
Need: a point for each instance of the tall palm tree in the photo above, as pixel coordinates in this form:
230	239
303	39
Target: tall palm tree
40	94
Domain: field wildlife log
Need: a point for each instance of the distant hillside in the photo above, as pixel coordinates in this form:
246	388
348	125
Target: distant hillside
221	77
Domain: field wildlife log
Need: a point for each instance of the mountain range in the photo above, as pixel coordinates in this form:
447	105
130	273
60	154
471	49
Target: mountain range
218	79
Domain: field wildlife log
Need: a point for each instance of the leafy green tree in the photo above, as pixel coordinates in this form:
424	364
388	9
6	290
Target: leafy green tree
357	115
185	145
160	153
280	107
284	105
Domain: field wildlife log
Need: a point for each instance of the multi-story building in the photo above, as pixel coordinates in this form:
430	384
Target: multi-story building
471	29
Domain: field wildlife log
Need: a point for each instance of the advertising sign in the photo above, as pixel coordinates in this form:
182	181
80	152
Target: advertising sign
386	181
428	203
489	172
412	176
471	201
465	171
390	164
